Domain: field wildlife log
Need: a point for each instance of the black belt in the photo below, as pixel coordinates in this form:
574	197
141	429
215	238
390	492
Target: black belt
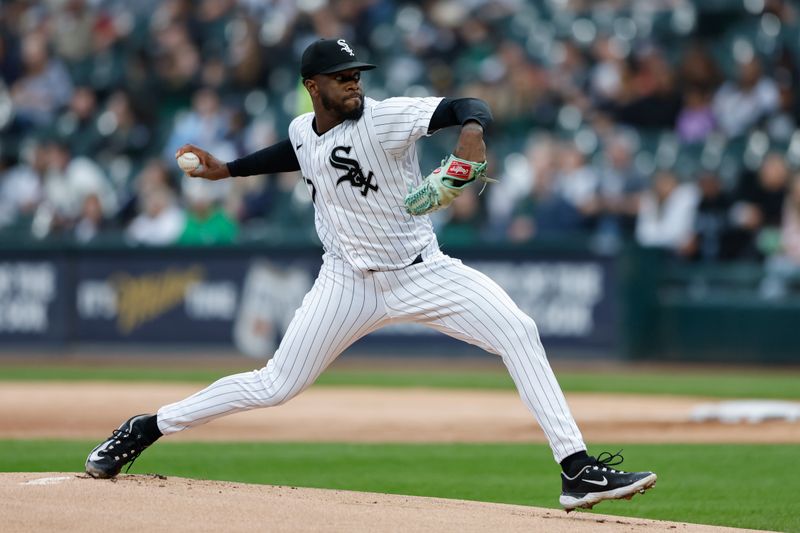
417	260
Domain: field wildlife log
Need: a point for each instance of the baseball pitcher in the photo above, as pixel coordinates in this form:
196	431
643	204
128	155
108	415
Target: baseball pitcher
381	265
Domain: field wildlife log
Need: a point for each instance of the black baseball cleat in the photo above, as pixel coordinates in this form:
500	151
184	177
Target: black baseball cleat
597	481
122	447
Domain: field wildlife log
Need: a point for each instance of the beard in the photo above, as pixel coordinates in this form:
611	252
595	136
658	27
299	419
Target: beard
339	109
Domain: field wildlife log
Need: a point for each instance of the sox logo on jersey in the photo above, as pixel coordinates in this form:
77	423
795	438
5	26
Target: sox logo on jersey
355	175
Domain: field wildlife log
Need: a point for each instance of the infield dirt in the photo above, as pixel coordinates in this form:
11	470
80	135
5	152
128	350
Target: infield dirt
360	414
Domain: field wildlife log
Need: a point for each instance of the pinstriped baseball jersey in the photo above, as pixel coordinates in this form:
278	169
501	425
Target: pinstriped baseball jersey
358	174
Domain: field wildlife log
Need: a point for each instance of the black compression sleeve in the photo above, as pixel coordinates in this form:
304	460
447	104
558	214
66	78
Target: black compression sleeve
279	157
455	112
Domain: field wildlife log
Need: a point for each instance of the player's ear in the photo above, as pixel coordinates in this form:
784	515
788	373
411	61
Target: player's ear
311	86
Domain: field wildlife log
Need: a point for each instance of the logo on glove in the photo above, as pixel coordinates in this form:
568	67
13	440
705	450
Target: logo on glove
457	169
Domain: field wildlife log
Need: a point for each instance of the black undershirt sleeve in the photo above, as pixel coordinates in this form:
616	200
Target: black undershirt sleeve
456	111
279	157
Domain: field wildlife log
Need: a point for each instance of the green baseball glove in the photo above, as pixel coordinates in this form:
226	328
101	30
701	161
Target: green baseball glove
444	184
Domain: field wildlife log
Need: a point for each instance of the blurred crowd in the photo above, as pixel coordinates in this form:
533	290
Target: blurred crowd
672	123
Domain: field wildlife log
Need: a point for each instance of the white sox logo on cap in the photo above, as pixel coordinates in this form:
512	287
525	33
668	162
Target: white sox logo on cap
345	47
326	56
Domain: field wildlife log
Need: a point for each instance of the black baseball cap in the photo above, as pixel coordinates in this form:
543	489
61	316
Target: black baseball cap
329	55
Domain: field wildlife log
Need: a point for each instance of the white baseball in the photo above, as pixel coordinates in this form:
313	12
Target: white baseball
188	161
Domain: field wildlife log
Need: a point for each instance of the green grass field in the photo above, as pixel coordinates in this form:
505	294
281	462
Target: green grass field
733	485
753	486
741	384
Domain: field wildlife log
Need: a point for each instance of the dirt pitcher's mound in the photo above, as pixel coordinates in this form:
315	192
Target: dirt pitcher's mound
68	502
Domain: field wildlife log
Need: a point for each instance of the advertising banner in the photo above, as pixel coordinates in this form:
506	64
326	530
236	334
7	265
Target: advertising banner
246	300
189	299
33	297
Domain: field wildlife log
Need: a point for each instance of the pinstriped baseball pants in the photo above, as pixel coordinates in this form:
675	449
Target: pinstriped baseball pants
346	304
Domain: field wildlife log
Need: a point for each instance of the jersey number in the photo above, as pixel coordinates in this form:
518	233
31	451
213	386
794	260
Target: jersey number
313	189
